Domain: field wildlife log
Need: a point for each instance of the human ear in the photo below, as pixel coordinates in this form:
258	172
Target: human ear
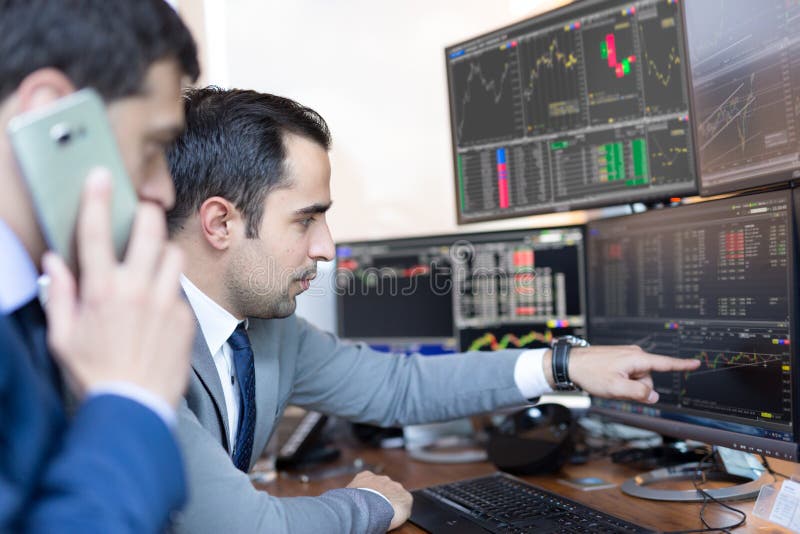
220	222
42	87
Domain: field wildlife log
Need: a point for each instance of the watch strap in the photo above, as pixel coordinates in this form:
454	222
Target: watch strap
560	364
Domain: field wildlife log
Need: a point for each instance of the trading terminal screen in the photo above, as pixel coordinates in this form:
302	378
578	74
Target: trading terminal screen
713	282
482	292
745	74
396	295
518	289
583	106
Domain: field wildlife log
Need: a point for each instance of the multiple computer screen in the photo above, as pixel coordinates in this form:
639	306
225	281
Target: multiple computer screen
608	102
464	292
713	281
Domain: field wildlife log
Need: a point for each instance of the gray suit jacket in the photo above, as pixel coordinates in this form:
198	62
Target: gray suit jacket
299	364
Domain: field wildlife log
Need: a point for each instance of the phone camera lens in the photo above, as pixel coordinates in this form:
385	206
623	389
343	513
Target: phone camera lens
61	133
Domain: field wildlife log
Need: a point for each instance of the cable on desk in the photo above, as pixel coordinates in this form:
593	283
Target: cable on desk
771	471
700	478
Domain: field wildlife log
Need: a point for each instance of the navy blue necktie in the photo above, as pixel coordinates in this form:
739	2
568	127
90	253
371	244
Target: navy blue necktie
245	370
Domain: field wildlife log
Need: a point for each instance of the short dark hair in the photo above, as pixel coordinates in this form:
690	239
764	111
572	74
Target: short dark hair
233	147
105	44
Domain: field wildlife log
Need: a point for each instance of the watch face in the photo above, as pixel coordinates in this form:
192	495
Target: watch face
574	341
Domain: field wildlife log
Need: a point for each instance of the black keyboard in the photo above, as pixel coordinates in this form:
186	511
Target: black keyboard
502	503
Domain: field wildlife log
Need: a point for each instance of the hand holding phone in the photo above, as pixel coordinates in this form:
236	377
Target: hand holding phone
126	322
56	147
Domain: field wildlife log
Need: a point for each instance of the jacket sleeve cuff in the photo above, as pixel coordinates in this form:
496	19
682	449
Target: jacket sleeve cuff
137	394
374	505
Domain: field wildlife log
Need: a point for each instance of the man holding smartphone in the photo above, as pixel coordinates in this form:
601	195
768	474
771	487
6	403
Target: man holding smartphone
116	335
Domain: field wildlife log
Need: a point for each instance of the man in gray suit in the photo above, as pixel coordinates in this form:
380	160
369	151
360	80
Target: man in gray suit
252	188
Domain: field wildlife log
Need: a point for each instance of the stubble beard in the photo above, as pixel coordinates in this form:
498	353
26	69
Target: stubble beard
257	291
262	304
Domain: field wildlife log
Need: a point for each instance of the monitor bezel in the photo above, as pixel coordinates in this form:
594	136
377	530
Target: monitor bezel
786	450
580	7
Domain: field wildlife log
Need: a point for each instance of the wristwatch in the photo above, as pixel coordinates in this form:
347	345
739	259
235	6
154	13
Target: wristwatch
561	347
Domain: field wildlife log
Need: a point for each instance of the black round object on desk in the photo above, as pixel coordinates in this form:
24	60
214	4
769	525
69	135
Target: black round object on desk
532	441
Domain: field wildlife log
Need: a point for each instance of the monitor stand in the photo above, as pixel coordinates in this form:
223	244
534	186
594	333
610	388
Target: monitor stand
726	466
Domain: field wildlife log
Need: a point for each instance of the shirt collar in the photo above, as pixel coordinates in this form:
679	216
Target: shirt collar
18	275
216	323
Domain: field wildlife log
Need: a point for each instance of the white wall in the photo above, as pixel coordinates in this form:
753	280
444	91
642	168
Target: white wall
375	70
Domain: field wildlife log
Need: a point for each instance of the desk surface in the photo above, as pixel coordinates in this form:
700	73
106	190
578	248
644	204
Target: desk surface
657	515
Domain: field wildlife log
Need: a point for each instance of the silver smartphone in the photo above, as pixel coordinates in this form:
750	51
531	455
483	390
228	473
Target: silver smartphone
55	148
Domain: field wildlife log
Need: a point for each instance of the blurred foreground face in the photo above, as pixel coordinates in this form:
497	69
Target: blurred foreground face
144	125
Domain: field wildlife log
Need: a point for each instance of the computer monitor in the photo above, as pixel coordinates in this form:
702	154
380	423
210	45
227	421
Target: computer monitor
745	79
480	291
714	281
395	295
583	106
518	289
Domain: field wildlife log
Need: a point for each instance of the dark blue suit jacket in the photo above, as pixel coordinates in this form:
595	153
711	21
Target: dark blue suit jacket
113	467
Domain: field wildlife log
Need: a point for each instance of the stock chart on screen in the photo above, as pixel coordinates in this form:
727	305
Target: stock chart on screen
481	291
745	70
518	289
584	106
711	282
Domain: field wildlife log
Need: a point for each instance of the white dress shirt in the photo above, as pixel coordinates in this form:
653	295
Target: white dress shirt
529	374
217	326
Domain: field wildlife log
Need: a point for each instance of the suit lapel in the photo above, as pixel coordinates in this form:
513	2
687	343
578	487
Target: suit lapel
265	352
265	359
206	371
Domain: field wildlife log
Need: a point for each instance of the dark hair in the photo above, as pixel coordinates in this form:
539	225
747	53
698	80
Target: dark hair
233	147
105	44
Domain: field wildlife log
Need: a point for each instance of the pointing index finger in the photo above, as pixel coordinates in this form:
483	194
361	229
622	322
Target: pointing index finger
667	363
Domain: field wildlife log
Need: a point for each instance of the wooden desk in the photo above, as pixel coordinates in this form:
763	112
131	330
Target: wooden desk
657	515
